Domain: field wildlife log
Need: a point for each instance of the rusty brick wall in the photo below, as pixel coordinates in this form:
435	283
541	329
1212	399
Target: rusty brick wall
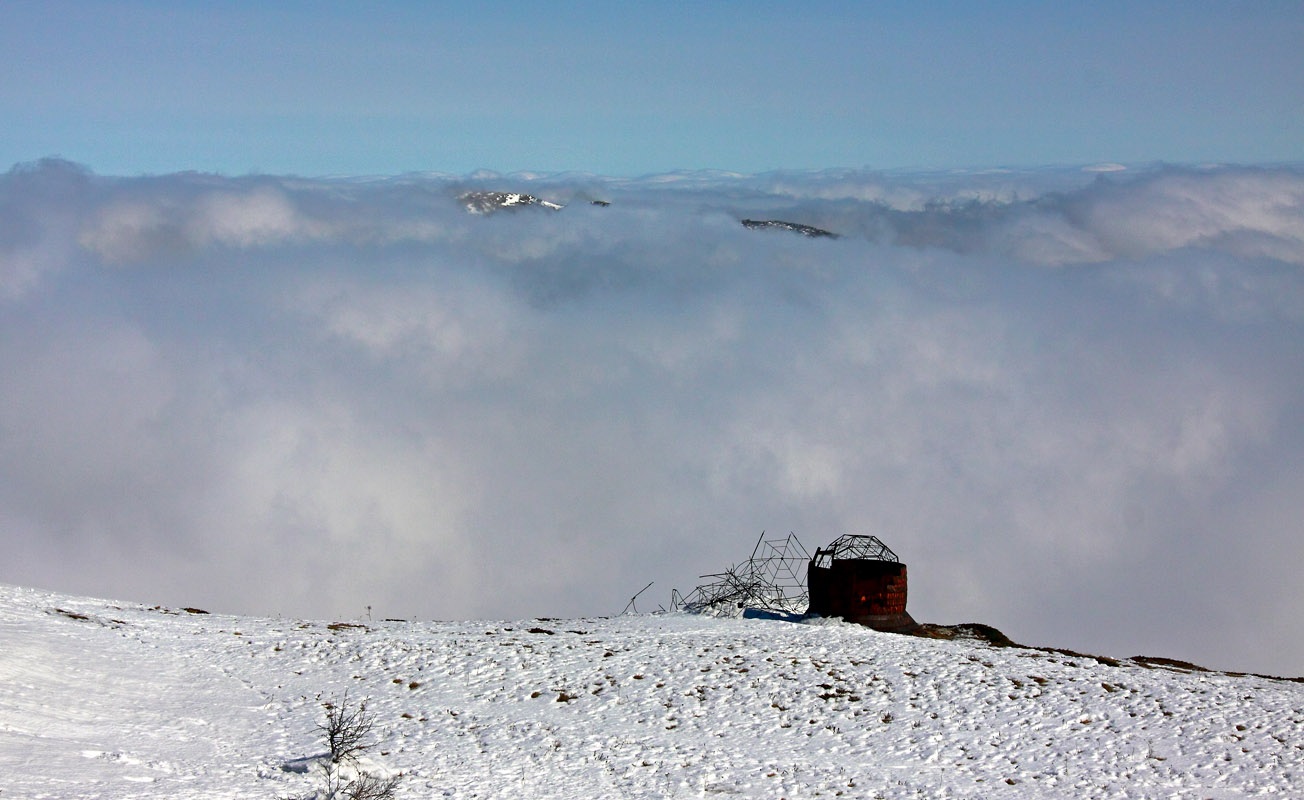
856	588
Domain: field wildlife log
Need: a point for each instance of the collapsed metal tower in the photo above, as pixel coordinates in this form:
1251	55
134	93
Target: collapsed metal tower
774	578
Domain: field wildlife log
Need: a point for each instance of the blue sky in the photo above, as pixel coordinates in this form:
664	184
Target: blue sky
633	88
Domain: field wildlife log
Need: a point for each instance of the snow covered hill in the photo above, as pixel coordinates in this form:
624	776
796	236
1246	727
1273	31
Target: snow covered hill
118	700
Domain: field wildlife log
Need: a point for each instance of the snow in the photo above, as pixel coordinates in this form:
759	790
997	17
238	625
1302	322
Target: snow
118	700
486	202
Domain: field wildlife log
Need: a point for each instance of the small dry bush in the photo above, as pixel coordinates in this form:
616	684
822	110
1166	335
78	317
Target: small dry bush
348	732
347	729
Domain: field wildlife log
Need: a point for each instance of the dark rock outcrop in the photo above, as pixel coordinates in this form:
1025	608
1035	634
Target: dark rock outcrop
795	227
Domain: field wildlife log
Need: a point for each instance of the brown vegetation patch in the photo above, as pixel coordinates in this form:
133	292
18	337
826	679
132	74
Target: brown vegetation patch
1170	663
966	630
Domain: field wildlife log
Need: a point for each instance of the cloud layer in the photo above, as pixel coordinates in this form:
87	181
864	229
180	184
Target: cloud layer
1073	401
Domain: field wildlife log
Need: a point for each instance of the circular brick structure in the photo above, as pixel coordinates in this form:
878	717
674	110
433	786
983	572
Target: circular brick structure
859	579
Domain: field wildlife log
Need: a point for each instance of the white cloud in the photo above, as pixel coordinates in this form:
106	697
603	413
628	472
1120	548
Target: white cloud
39	203
1049	392
1250	214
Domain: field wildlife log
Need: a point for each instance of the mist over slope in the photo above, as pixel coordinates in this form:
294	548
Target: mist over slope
113	700
1072	401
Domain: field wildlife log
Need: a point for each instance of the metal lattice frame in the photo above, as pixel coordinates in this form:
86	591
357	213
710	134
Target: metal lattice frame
774	578
853	546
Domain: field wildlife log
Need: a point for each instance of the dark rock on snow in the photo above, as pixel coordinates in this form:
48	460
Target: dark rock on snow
795	227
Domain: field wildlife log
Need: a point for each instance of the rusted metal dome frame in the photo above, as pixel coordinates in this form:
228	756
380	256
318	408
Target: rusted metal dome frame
849	546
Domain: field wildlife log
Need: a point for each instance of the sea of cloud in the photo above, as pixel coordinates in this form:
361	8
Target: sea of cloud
1071	400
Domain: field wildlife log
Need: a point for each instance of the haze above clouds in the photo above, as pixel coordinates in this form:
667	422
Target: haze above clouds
1071	400
338	88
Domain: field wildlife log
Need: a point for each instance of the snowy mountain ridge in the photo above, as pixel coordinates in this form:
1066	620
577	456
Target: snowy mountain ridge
119	700
486	202
778	224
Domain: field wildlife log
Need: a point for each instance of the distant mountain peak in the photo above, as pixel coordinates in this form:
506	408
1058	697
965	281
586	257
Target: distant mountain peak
487	202
795	227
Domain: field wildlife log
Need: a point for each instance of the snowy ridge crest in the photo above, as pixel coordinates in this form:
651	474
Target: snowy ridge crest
119	700
487	202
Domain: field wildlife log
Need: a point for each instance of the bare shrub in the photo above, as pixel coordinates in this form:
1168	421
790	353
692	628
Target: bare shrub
347	729
369	787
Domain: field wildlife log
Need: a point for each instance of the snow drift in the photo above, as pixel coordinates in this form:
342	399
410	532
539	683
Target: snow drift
118	700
